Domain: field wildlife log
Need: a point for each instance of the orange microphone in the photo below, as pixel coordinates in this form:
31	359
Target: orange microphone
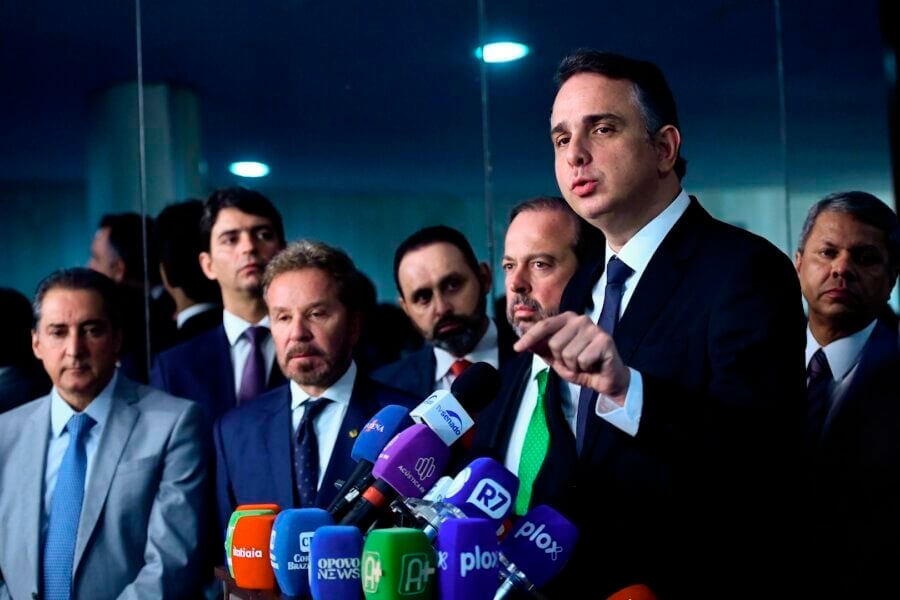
250	552
634	592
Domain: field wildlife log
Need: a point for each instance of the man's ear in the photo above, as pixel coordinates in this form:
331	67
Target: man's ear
798	258
118	270
402	304
36	344
484	275
667	142
206	265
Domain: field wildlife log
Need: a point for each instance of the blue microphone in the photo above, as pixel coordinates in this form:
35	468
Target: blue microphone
334	559
289	547
536	550
386	423
468	559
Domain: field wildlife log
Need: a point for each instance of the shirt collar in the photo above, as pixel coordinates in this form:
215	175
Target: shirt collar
842	354
339	392
190	311
537	365
98	409
637	252
485	351
236	326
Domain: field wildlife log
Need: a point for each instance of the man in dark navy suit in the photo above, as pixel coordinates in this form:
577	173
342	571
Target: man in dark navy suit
443	290
847	262
677	361
544	244
292	445
234	362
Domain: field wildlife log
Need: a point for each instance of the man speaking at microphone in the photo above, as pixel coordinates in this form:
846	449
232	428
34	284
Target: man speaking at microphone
680	352
292	445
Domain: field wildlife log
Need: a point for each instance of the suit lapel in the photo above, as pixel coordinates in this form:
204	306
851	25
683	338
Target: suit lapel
880	348
224	378
27	514
657	287
510	401
279	439
361	408
121	420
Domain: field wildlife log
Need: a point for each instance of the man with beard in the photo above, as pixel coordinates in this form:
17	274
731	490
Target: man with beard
233	363
443	290
292	445
545	243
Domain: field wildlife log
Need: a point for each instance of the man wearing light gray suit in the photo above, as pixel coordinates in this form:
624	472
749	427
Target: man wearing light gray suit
102	480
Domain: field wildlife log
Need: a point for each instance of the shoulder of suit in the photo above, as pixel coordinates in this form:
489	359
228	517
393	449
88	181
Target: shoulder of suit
385	394
192	349
408	363
12	420
272	401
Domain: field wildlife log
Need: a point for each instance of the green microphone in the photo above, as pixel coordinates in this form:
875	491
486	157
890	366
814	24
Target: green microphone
229	532
398	563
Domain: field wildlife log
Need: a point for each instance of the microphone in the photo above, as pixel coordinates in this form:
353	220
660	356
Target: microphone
242	511
484	489
468	560
634	592
248	552
334	559
289	547
409	465
397	564
535	551
386	423
448	413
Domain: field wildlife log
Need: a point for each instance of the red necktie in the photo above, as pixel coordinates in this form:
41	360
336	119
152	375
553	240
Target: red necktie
459	366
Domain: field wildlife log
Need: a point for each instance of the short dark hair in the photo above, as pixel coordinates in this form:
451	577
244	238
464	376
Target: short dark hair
652	94
246	201
588	239
126	234
15	327
863	207
309	254
434	235
180	244
80	278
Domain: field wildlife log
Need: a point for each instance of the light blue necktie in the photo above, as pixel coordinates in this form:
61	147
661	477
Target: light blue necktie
65	510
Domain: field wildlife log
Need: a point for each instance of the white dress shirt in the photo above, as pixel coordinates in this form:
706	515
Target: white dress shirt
60	413
843	358
240	345
328	424
523	418
636	253
486	350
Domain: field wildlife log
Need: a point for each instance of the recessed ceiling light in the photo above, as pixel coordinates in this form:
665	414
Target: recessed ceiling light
249	168
501	52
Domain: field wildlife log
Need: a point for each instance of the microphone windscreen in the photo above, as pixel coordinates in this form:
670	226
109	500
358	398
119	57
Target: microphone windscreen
289	547
249	559
540	544
334	559
468	559
486	489
398	563
386	423
476	387
634	592
239	512
412	461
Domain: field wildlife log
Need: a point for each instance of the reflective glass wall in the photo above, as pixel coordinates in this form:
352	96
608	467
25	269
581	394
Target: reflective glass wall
377	119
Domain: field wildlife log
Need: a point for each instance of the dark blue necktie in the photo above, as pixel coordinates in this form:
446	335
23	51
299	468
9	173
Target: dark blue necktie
65	511
306	454
617	273
817	383
253	379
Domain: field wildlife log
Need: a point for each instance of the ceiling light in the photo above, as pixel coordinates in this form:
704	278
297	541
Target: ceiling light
249	168
501	52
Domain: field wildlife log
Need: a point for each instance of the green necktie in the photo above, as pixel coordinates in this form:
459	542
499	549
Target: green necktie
534	450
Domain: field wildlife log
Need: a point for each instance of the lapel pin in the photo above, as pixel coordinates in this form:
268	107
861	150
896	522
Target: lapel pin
353	433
